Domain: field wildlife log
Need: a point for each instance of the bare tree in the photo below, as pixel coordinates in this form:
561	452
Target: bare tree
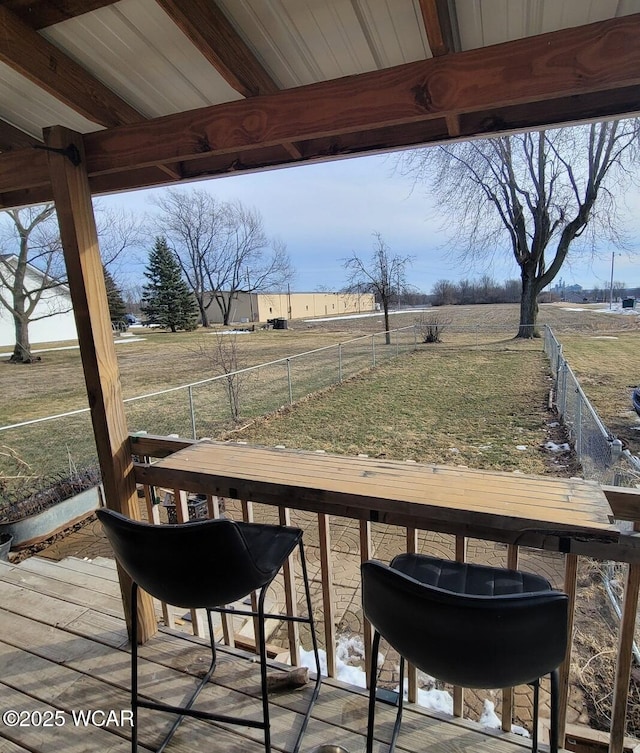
222	248
538	194
193	223
383	274
32	264
118	231
223	356
247	264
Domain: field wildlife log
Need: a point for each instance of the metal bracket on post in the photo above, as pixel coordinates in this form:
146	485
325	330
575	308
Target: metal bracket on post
71	152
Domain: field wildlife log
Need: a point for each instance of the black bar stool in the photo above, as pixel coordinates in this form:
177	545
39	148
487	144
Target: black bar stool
207	565
468	625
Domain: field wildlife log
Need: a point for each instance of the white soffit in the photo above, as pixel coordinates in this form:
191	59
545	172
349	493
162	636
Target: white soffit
30	108
486	22
304	41
137	51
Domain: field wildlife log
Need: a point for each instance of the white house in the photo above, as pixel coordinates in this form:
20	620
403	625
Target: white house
53	316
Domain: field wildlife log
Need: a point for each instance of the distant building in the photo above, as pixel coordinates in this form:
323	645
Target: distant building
258	307
54	305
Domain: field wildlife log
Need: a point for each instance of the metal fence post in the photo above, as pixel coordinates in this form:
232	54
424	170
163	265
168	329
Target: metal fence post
373	350
340	362
559	359
578	425
415	337
289	381
563	393
193	413
397	344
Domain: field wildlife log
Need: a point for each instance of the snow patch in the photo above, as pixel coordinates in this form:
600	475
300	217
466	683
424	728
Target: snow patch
521	447
349	649
491	720
553	447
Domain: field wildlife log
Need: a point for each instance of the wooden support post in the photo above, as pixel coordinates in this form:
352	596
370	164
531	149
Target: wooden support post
72	196
624	659
328	602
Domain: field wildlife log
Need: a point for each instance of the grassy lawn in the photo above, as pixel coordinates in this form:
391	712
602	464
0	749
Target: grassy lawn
608	368
465	406
471	399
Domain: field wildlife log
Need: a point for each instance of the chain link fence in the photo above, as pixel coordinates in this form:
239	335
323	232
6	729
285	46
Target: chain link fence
598	450
64	443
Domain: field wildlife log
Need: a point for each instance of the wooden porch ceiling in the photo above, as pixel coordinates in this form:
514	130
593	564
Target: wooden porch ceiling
577	73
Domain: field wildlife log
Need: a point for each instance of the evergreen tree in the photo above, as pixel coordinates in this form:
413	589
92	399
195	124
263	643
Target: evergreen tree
117	306
166	300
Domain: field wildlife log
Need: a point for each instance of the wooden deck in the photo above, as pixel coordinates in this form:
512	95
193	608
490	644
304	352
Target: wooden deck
63	648
557	514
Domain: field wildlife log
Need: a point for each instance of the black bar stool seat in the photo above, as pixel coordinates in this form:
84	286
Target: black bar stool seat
469	625
208	564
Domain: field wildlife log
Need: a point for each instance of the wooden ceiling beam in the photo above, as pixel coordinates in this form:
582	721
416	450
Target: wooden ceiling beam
38	14
12	138
582	73
575	61
213	35
438	25
24	50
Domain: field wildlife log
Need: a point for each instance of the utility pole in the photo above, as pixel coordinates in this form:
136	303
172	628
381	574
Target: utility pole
613	256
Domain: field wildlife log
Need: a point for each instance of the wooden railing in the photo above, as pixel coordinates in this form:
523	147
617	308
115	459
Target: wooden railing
624	503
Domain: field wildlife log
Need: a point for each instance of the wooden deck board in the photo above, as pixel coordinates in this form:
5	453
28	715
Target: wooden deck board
93	567
69	653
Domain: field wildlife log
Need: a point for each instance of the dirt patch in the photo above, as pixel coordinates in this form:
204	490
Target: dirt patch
595	650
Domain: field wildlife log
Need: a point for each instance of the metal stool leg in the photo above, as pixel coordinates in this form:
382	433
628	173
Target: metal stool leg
396	726
536	706
262	643
314	643
373	679
134	667
555	711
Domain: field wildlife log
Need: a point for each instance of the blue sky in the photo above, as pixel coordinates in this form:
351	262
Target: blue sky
324	212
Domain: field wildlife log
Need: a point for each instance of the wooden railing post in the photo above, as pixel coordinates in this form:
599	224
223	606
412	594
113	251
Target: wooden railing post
247	517
72	196
570	588
412	672
291	601
328	602
624	659
458	692
507	693
367	631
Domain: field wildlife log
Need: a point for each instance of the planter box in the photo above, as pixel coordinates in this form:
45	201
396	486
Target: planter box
39	527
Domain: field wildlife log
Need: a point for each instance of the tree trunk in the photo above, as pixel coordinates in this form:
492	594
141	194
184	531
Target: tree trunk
385	306
204	318
22	348
528	306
